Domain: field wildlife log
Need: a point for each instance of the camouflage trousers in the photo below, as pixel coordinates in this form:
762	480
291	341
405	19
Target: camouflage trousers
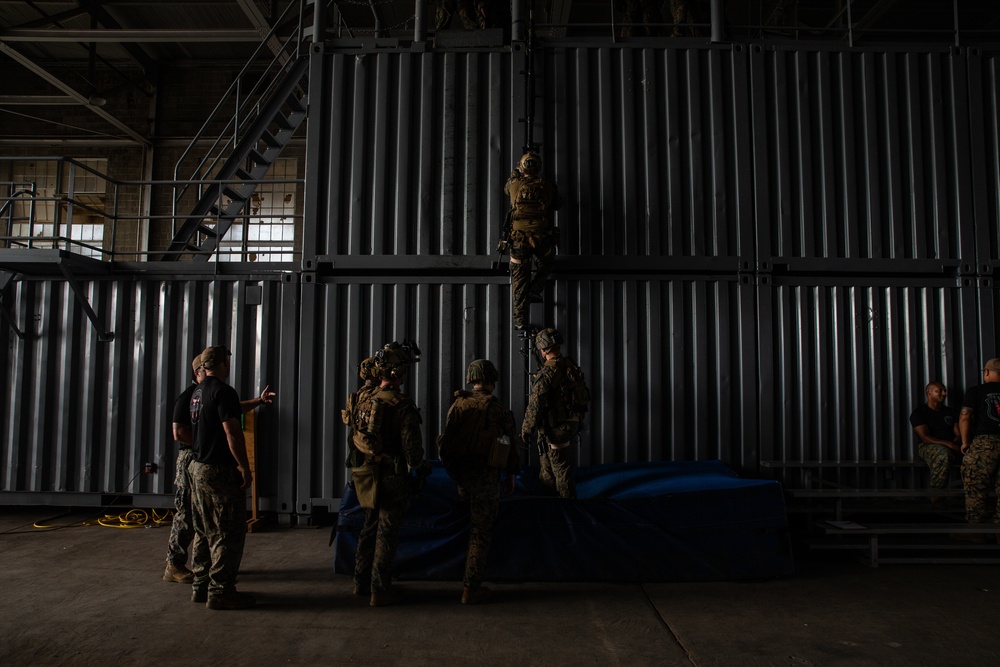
979	474
182	528
379	537
939	459
524	246
557	471
220	525
481	489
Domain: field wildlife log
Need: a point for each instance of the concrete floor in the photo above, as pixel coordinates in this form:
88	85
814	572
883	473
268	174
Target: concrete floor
93	596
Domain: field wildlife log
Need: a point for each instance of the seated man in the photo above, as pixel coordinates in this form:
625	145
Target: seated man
936	427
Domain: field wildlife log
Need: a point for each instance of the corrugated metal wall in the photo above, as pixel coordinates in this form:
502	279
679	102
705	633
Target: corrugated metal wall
650	149
409	149
862	156
82	416
765	254
984	93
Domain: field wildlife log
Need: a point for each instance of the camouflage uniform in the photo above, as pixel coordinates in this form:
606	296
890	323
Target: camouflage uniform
366	370
466	10
182	526
689	11
402	450
531	236
939	459
220	522
939	425
979	475
556	465
981	461
641	17
475	421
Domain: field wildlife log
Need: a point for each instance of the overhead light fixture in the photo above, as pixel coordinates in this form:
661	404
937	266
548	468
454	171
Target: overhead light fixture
96	101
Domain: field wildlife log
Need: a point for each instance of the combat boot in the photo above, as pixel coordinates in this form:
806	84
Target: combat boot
199	595
386	597
230	600
475	595
177	574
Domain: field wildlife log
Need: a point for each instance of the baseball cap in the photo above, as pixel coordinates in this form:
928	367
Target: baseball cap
213	355
992	365
196	363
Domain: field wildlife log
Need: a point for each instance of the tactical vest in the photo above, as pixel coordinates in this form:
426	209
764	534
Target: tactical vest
568	403
347	415
530	203
468	436
375	422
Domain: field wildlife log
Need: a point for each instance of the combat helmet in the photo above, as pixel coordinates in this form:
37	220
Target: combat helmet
546	338
530	163
367	370
394	358
482	371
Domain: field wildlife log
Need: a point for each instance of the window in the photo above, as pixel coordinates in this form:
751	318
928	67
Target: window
87	198
266	232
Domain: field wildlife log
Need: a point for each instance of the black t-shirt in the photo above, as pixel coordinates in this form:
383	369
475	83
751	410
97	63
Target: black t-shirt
212	403
940	423
182	409
984	399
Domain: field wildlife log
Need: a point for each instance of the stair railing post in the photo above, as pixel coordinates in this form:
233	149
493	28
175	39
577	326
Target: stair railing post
319	21
419	31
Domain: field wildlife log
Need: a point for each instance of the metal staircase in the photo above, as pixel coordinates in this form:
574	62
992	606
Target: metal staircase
266	119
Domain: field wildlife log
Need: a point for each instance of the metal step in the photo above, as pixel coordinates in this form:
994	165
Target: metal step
258	158
248	164
269	139
283	121
296	103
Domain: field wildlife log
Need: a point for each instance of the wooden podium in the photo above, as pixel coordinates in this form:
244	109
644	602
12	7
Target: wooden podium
249	434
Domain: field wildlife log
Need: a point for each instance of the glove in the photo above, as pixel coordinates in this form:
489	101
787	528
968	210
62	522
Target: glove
423	469
416	481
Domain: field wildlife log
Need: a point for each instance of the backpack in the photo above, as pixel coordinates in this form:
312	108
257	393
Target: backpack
464	436
347	415
569	403
366	419
529	200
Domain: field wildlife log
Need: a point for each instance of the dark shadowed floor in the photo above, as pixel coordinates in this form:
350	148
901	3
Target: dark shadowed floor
93	596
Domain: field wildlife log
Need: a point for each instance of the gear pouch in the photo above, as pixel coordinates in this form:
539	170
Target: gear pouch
365	481
500	452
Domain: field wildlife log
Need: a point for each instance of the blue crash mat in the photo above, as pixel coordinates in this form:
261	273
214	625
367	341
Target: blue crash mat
675	521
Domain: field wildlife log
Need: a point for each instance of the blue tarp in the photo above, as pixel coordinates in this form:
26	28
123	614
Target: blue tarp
674	521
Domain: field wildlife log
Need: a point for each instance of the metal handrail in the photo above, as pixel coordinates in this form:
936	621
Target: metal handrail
8	206
246	111
114	217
